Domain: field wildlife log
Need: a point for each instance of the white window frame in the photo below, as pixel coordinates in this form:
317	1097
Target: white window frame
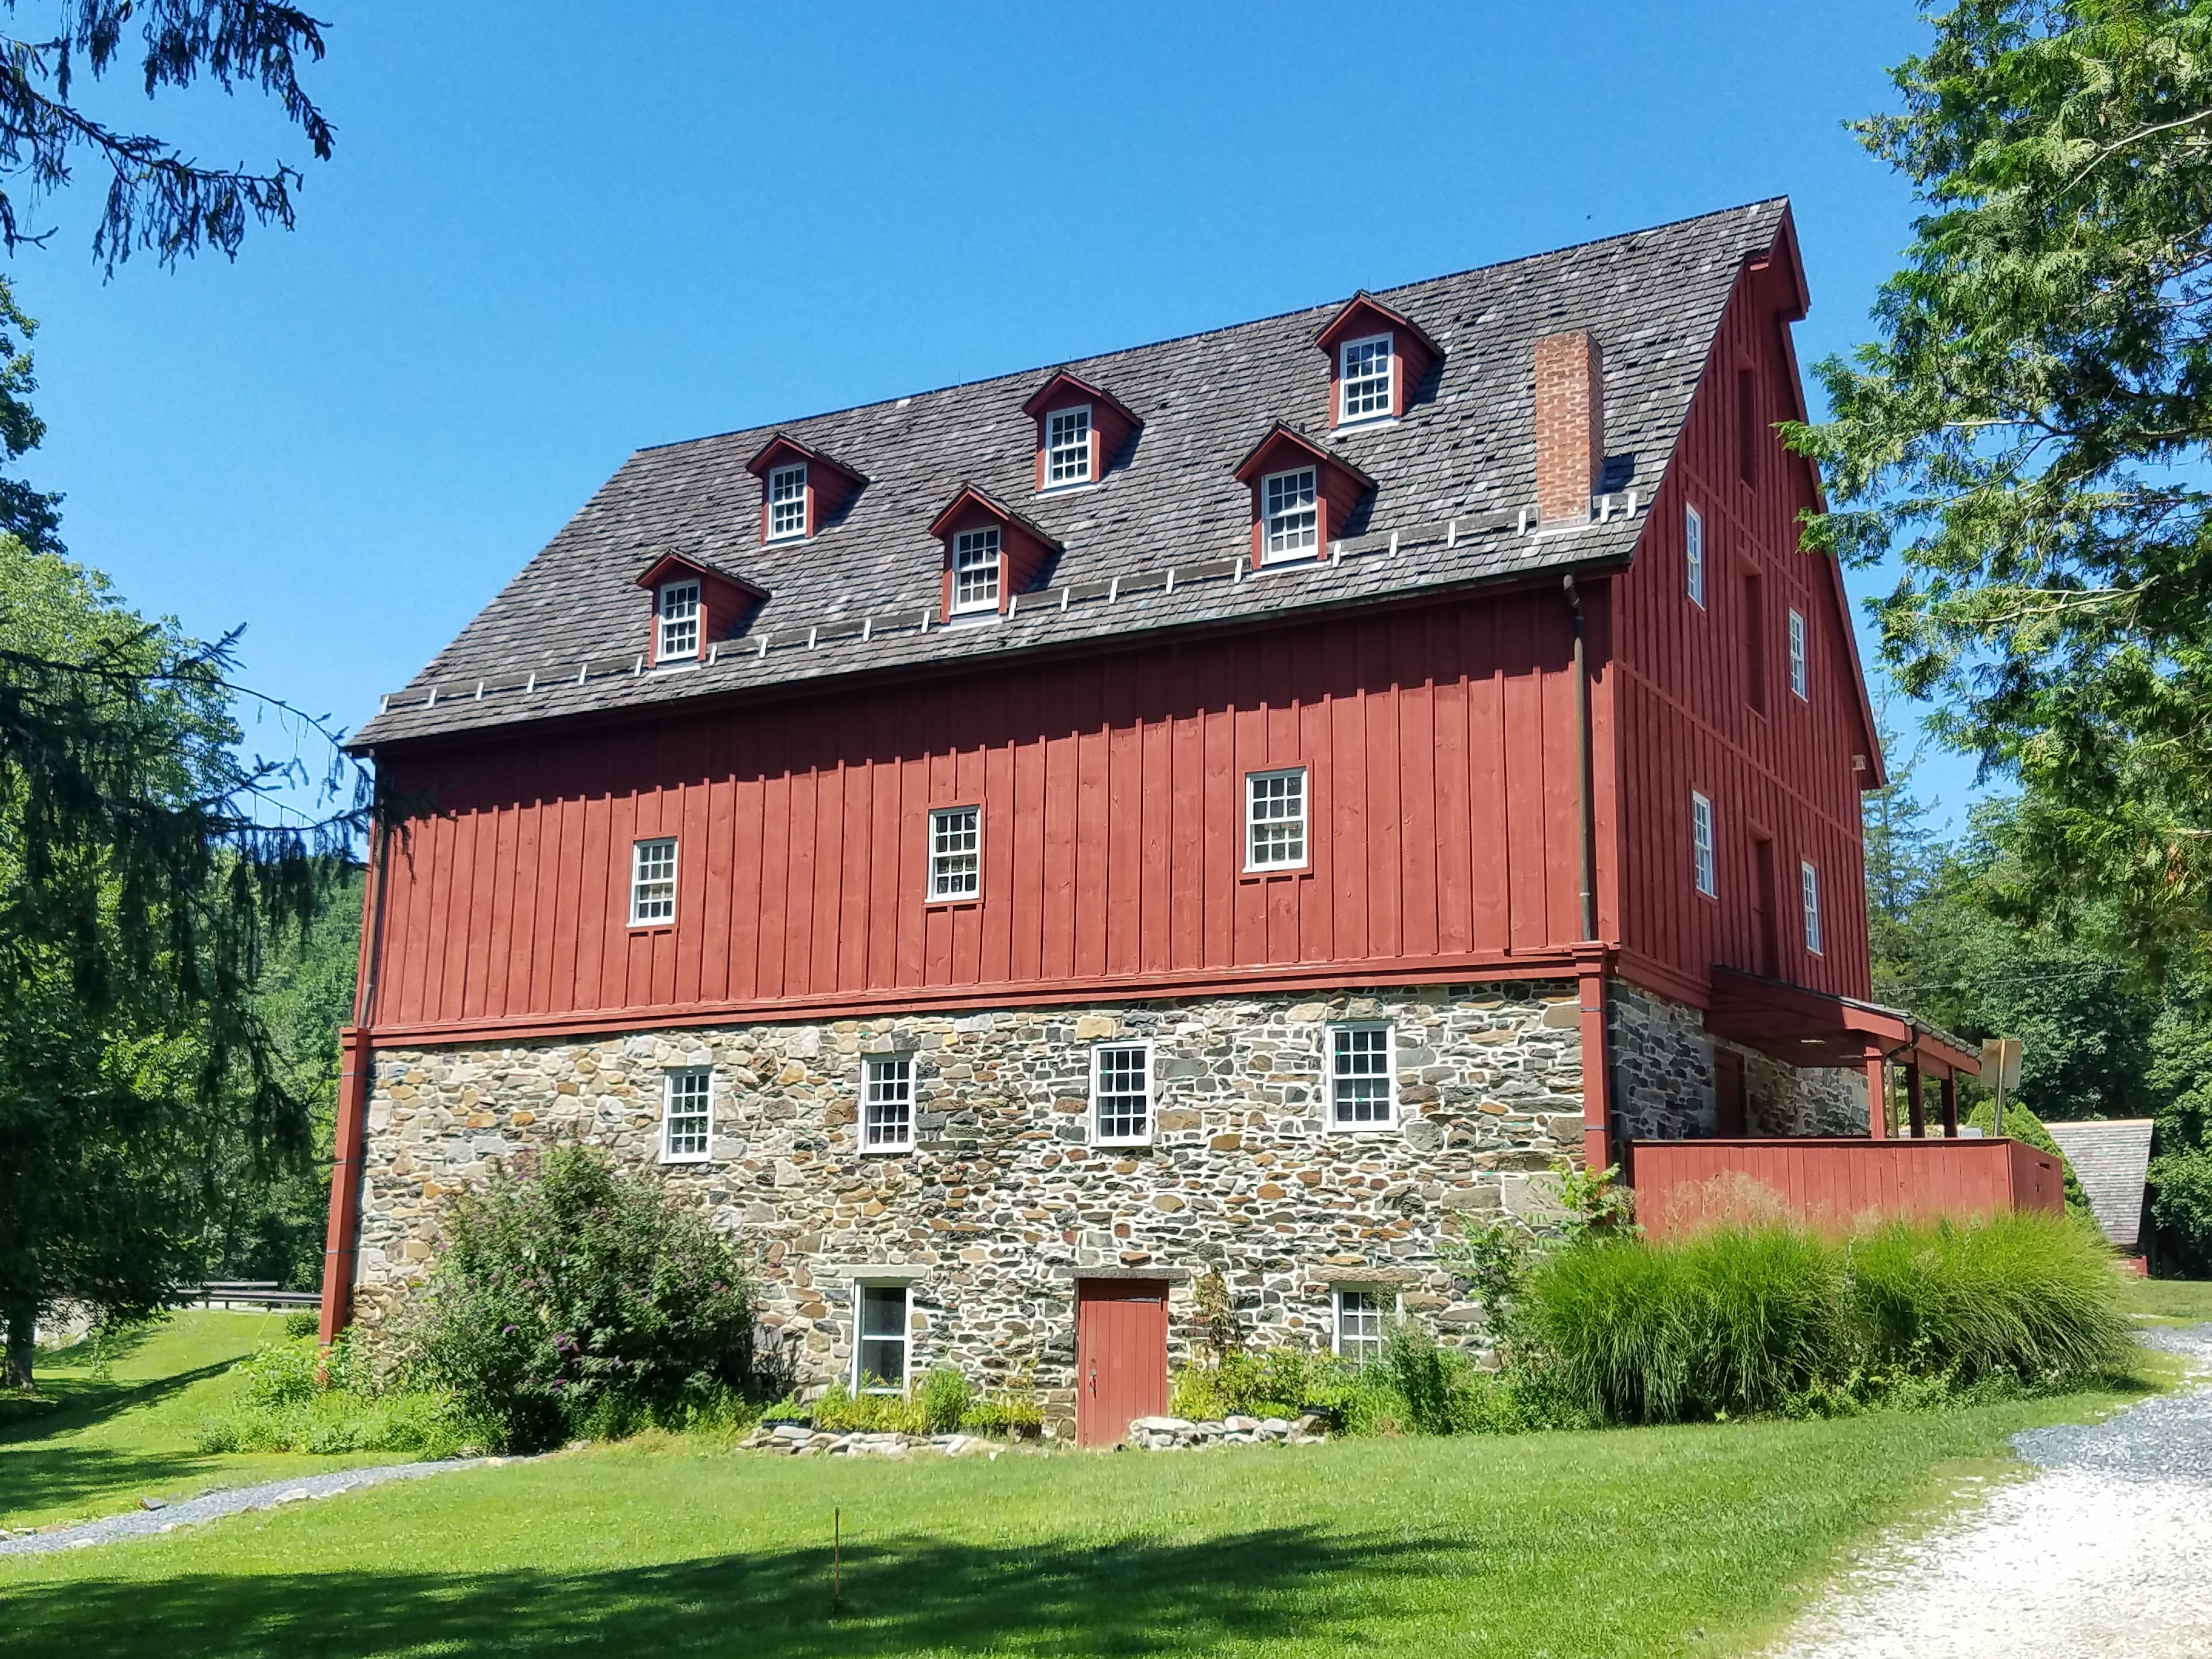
1388	378
1333	1057
904	1339
870	1142
1051	481
776	478
987	541
1338	1338
646	896
1278	544
1253	862
1693	553
1809	894
942	863
1704	874
670	1080
674	625
1799	681
1099	1137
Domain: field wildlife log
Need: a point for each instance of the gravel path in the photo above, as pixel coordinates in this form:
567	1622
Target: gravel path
2107	1552
236	1500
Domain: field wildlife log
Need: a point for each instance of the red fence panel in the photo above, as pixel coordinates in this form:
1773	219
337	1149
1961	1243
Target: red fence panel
1836	1184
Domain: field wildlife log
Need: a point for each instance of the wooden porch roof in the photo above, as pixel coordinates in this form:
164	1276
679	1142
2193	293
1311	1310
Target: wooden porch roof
1817	1028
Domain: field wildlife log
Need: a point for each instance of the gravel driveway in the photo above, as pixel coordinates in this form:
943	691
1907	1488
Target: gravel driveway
2107	1552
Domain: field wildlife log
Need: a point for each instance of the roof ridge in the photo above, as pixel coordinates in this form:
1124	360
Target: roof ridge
1067	363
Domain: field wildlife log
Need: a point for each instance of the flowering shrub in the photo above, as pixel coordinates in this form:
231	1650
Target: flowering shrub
575	1298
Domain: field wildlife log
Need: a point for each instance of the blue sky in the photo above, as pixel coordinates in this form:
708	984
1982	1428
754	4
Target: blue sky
553	233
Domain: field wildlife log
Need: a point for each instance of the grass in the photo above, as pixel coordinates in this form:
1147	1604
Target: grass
102	1435
2169	1301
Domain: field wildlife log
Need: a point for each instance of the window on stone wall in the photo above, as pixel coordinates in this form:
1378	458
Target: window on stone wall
1358	1335
1121	1094
1360	1077
887	1103
687	1114
879	1350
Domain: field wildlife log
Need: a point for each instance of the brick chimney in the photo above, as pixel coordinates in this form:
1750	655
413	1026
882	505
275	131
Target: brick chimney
1570	426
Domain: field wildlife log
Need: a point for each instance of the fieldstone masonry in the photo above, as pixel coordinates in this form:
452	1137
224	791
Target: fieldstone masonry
1662	1063
1002	1205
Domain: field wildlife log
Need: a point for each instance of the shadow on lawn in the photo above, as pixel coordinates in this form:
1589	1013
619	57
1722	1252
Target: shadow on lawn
1135	1598
63	1478
74	1403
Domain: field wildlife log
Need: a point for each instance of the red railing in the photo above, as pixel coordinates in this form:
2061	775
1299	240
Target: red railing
1835	1184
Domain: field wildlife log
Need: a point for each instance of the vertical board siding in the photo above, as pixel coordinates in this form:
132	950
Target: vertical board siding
1836	1184
1439	746
1680	703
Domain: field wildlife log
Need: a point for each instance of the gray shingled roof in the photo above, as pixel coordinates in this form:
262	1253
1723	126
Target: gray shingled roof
1455	489
2111	1160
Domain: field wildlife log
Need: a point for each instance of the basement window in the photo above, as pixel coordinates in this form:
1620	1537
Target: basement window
1360	1077
653	882
881	1318
1121	1094
887	1103
1358	1336
687	1114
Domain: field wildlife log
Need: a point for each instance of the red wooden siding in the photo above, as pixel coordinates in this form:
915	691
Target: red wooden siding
1836	1184
1440	745
1684	703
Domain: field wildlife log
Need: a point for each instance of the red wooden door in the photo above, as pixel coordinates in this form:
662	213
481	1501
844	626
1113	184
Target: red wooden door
1121	1356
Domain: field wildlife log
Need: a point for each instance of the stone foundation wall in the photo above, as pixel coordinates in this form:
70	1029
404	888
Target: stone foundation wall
1663	1065
1002	1205
1816	1100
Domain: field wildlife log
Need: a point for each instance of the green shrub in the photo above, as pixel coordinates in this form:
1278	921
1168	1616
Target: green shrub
1014	1415
302	1321
943	1399
573	1297
294	1397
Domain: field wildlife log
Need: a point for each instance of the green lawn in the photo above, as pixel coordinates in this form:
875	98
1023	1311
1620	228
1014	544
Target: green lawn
2183	1301
103	1436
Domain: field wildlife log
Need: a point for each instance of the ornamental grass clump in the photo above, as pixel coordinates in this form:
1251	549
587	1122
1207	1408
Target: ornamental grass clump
577	1298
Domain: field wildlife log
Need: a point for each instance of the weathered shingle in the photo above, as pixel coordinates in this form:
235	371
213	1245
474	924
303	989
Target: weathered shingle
1452	478
2111	1160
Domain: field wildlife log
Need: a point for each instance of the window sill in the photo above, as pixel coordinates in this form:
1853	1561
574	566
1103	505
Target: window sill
1123	1146
652	927
687	1157
1366	423
887	1151
965	901
1288	872
1075	488
1376	1130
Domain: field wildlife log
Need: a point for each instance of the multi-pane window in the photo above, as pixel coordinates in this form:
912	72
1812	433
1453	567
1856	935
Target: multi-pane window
687	1114
1808	887
1701	844
1358	1326
1067	445
679	621
955	853
1120	1093
1359	1076
1364	376
1693	552
1797	681
879	1354
653	881
975	570
787	502
887	1103
1275	819
1290	523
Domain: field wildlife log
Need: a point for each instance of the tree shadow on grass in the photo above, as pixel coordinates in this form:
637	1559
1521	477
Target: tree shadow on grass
1128	1599
89	1403
74	1479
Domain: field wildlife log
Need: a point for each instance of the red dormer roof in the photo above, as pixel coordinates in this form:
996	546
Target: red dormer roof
830	482
1112	421
1364	316
1024	548
1338	483
724	601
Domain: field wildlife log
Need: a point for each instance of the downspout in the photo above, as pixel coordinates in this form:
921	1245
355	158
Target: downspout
356	1071
1597	1016
1584	828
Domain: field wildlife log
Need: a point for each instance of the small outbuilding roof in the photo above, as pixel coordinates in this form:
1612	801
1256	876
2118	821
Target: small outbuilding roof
2111	1160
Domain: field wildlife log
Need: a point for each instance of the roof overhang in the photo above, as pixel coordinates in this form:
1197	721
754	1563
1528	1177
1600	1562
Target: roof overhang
1804	1027
1365	314
674	566
969	500
1268	455
783	449
1064	388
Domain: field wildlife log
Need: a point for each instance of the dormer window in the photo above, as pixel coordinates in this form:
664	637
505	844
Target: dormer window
1377	359
1364	378
803	491
787	502
1067	446
679	622
975	570
1303	497
1289	519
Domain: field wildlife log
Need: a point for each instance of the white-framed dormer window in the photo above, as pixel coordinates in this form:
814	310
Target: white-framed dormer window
1358	1335
653	882
1701	846
1290	524
1275	819
975	570
1363	372
687	1114
1067	446
1360	1091
1121	1094
1693	554
955	853
887	1103
787	502
881	1323
1798	682
679	621
1808	888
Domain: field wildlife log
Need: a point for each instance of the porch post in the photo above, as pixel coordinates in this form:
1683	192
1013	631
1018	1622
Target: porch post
1877	1105
1915	1107
1950	1106
342	1240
